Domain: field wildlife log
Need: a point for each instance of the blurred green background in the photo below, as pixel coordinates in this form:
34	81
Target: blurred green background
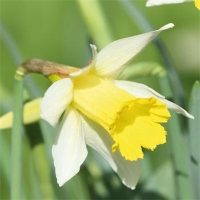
58	31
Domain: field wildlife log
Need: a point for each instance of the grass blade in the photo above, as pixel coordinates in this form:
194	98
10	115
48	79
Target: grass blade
41	162
194	138
179	151
43	171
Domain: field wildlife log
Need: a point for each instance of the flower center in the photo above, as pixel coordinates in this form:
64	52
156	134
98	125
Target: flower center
132	122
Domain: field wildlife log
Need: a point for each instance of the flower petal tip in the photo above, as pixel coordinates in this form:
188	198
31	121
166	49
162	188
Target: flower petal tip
60	183
127	185
150	3
190	116
167	26
52	122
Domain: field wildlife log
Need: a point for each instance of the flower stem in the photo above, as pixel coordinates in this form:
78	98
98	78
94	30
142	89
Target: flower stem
98	27
16	141
17	58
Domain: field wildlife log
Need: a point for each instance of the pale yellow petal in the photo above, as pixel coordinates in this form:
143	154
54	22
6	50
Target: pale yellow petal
31	113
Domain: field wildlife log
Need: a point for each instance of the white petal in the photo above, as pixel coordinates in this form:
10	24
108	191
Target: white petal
143	91
160	2
99	139
56	99
69	151
111	59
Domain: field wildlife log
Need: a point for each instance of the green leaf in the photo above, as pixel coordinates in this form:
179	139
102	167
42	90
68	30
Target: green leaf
42	169
179	158
40	160
194	138
179	151
160	178
4	164
76	188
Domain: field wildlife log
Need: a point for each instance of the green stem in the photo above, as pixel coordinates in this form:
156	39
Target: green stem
16	141
95	21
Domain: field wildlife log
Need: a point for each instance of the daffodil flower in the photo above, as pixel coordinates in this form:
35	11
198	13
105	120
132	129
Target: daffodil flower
161	2
116	118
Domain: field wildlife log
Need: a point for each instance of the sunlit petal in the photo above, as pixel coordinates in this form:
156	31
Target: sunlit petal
31	114
112	58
